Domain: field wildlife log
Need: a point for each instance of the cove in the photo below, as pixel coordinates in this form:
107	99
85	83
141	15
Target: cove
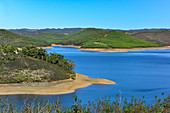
141	73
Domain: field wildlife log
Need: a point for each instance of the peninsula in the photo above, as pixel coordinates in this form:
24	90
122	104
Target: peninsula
31	70
52	88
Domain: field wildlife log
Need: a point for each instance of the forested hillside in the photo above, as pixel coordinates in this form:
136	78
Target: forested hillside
48	37
98	38
18	40
82	36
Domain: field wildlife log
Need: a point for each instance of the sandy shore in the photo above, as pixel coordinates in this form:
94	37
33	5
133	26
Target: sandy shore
122	49
113	49
105	49
66	45
48	47
52	88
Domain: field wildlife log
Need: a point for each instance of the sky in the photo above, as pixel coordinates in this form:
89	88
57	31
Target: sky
112	14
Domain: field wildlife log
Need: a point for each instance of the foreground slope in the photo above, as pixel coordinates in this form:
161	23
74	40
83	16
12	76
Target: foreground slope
18	40
98	38
27	69
32	65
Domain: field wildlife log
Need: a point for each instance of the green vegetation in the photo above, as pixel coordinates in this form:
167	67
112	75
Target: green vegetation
32	65
18	40
98	38
48	37
87	38
117	39
106	105
80	37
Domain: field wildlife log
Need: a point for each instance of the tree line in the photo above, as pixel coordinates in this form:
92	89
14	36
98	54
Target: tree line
33	51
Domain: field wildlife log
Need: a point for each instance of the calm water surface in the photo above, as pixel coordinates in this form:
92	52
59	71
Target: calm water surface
144	73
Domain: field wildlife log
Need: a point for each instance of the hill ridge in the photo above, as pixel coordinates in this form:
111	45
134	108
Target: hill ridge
87	38
18	40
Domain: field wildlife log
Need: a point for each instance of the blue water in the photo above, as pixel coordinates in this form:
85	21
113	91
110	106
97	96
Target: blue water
143	73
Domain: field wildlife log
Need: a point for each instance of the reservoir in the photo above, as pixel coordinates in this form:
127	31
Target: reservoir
141	73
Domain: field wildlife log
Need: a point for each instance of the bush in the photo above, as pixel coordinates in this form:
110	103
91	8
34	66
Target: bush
104	105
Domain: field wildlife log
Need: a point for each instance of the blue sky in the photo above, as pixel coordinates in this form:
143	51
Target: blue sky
114	14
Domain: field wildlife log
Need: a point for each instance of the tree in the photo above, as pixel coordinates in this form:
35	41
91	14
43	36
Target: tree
53	58
71	65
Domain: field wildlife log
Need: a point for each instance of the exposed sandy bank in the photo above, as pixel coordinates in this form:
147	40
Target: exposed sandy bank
66	45
105	49
48	47
114	49
52	88
122	49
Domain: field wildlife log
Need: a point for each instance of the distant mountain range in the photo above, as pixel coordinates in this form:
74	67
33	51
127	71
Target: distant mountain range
143	30
71	30
38	31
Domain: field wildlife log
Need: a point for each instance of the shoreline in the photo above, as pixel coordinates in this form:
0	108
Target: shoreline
105	49
112	49
52	88
66	45
48	47
122	49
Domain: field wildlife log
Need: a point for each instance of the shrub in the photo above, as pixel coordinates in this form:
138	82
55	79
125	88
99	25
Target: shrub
104	105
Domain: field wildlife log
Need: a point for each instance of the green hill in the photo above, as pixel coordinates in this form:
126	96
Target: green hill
18	40
81	37
98	38
48	37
